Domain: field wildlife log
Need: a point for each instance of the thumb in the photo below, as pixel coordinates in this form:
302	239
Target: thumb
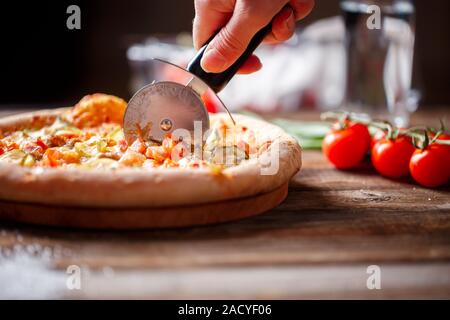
232	40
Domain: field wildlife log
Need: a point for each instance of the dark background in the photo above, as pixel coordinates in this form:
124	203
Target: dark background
45	63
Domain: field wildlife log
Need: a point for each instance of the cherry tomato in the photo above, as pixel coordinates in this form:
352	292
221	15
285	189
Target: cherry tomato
444	136
431	167
441	137
346	147
379	135
390	157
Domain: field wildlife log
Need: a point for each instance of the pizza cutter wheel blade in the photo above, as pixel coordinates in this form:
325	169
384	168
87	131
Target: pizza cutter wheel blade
161	108
177	100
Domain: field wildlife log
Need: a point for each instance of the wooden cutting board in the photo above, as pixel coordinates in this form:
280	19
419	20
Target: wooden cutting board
142	218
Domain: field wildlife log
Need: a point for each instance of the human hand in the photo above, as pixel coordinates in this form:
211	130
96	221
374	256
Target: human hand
238	21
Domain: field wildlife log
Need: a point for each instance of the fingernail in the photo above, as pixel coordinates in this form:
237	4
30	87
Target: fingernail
290	21
213	61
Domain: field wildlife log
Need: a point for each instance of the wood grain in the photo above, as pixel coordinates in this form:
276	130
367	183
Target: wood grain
317	244
142	218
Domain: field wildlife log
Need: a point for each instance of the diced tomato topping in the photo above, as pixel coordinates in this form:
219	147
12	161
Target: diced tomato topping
123	145
50	158
33	149
12	146
41	144
58	141
53	157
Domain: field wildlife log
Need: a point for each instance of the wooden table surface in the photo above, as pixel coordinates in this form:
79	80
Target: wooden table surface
317	244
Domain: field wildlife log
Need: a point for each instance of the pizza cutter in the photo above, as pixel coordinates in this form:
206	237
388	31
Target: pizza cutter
164	106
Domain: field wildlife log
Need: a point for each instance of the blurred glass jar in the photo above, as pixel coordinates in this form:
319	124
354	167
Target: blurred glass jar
380	58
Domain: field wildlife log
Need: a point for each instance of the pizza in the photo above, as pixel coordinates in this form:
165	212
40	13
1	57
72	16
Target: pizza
78	156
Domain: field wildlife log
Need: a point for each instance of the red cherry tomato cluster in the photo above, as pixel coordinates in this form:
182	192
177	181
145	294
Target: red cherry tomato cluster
430	164
390	156
395	153
347	144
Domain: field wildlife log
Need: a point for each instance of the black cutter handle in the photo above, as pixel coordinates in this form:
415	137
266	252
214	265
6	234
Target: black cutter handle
217	81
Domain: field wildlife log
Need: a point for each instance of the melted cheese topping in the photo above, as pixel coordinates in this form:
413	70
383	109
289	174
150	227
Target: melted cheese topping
90	136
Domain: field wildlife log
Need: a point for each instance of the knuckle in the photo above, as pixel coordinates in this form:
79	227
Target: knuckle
228	44
256	16
259	12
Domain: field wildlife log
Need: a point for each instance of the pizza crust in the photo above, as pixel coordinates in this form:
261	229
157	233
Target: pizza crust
135	187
